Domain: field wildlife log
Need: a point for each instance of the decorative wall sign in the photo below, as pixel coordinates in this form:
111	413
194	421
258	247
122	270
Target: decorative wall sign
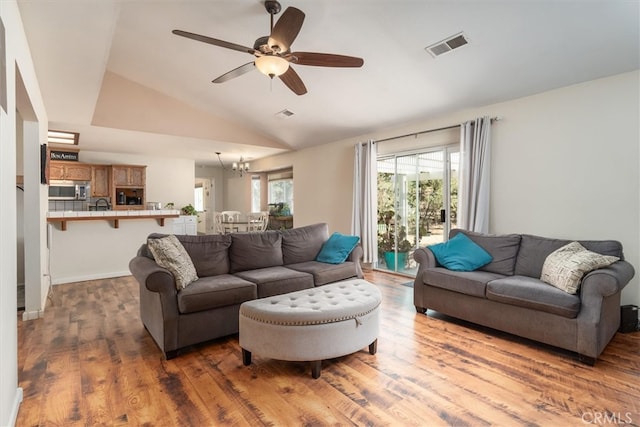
69	156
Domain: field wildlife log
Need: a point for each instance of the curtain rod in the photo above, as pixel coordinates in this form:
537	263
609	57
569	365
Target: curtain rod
493	119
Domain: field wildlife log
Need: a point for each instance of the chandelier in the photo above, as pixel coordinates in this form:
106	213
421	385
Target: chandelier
241	167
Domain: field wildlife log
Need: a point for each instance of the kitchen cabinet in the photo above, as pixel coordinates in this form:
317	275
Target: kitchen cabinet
70	171
186	224
100	184
128	187
128	176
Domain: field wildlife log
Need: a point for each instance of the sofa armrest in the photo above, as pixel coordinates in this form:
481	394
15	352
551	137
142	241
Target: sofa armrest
153	277
425	258
158	302
356	256
599	316
607	281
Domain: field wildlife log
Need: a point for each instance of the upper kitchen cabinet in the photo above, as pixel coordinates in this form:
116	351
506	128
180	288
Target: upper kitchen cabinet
69	171
128	176
100	181
128	186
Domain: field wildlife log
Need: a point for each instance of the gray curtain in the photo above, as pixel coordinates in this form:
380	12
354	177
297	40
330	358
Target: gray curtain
364	216
475	175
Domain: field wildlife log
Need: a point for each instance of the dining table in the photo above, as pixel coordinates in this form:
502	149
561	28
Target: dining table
242	225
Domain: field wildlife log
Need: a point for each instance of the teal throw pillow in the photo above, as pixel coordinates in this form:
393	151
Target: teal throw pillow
337	248
460	254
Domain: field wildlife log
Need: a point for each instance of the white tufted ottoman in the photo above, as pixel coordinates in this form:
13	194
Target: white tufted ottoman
313	324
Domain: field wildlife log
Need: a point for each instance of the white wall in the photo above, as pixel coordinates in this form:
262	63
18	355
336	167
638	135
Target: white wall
564	164
21	81
87	249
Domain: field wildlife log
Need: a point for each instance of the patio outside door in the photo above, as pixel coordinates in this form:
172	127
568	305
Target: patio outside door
417	204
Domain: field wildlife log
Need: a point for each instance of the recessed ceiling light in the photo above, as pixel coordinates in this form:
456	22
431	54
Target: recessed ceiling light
63	137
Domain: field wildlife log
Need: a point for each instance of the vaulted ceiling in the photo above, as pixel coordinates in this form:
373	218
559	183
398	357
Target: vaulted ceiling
113	71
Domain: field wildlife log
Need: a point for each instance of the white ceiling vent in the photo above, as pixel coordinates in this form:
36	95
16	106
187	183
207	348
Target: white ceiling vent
447	45
284	114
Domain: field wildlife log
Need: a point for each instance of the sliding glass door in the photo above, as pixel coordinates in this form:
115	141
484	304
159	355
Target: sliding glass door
417	204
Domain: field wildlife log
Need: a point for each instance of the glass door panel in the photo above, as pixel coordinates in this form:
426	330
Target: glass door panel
417	203
454	169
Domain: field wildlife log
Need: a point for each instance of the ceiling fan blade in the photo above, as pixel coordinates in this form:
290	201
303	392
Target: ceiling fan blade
286	29
236	72
293	81
213	41
324	59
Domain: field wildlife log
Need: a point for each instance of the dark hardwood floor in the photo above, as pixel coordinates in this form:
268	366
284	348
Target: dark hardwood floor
89	362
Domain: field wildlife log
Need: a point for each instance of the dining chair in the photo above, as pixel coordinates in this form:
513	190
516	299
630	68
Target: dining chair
257	221
228	218
264	216
218	227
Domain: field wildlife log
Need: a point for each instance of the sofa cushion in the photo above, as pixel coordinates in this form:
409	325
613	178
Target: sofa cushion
337	248
534	250
170	254
215	291
565	267
460	254
277	280
303	243
502	248
465	282
324	273
249	251
210	253
533	293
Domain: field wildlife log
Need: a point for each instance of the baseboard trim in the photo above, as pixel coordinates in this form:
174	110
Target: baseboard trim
31	315
111	275
16	406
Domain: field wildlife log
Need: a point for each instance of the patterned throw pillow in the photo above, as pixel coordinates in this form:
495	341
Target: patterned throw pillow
170	254
565	267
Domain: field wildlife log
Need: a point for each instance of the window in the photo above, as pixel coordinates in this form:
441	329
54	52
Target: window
255	194
281	189
198	198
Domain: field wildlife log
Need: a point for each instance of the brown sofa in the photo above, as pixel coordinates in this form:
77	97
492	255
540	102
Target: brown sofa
507	294
232	268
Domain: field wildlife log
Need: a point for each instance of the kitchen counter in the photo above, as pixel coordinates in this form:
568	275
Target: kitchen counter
62	217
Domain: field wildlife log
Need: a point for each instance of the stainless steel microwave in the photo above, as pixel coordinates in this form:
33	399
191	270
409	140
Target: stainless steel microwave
69	190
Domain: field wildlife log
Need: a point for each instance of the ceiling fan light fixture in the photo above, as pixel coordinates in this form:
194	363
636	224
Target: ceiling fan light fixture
272	66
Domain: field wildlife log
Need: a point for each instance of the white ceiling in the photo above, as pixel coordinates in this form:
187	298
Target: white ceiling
517	48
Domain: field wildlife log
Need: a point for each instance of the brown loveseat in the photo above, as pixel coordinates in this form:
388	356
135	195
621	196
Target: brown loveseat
232	268
507	294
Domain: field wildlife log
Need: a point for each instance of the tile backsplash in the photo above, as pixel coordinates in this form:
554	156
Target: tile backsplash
71	205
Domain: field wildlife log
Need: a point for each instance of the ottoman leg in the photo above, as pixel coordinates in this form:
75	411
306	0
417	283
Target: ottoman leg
373	347
246	357
316	366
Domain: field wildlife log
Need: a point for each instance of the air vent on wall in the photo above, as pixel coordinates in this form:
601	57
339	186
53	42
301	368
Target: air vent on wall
284	114
447	45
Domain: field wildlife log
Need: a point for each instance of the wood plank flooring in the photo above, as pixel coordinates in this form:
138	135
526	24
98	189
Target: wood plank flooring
90	362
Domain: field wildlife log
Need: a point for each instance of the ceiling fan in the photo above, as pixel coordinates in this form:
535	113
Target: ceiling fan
273	53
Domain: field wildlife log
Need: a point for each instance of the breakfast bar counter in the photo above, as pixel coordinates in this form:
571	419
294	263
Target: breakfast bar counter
115	216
